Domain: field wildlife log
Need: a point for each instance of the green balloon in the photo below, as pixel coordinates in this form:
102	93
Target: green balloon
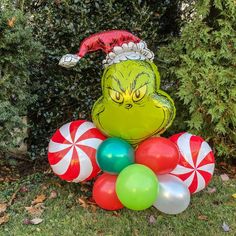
114	154
137	187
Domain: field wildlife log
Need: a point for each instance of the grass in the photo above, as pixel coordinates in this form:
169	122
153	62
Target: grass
65	216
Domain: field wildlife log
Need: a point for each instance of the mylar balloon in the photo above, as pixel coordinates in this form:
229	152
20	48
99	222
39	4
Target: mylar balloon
72	151
104	192
132	106
133	101
114	155
137	187
173	197
197	162
159	154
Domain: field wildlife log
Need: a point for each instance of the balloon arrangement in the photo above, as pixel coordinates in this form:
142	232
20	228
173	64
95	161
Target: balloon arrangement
140	168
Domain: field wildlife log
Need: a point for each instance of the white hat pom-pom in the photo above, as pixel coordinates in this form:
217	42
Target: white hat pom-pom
69	60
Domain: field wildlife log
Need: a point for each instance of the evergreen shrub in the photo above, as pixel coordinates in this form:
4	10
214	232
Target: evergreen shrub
201	65
18	50
68	94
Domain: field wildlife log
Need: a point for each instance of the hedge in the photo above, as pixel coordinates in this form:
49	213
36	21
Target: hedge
66	95
18	51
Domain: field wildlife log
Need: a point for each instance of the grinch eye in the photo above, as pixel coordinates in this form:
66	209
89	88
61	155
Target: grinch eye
116	96
139	93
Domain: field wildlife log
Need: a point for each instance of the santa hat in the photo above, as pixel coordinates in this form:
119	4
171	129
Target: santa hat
119	45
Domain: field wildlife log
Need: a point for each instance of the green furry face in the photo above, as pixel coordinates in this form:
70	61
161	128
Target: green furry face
128	87
132	106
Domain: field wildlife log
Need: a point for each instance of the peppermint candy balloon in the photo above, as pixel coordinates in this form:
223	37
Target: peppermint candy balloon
72	151
197	162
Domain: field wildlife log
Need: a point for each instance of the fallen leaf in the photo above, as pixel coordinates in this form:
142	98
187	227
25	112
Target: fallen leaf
224	177
85	202
44	187
11	22
211	190
152	220
84	189
82	202
94	208
35	210
202	217
136	232
48	171
53	194
13	197
115	213
3	207
234	195
4	219
100	233
225	227
36	221
39	199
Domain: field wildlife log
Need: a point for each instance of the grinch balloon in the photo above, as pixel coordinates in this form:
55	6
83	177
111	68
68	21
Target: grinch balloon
132	106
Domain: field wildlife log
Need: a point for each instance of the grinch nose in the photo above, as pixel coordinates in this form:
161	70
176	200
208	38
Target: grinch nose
128	105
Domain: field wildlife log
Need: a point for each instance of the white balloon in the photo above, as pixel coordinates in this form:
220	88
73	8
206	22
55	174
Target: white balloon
173	197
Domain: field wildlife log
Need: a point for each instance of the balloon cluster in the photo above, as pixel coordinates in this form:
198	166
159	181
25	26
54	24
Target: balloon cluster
132	110
159	171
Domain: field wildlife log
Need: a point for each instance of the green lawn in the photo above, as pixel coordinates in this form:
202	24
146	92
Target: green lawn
64	215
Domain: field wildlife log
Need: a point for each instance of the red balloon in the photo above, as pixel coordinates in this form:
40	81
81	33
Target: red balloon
159	154
104	192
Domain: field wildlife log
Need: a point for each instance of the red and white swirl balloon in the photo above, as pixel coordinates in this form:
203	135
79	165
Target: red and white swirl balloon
72	151
197	162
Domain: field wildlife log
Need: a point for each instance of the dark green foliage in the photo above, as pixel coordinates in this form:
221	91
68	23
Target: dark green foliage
17	51
198	68
201	64
66	95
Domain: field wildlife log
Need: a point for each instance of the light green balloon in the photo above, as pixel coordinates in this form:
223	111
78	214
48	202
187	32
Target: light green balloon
137	187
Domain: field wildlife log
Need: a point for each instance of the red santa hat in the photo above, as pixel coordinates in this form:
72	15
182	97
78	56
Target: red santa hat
119	45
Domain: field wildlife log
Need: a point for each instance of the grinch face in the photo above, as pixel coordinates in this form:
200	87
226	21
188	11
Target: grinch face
132	106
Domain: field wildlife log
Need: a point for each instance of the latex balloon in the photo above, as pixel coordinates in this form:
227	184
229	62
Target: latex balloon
114	154
137	187
159	154
72	151
174	196
197	162
104	192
